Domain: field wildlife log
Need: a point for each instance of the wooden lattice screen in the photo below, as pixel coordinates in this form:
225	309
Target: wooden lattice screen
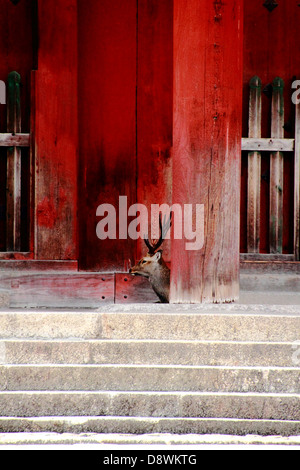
277	145
13	140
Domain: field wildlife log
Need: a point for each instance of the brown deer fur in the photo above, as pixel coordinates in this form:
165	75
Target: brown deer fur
153	266
155	269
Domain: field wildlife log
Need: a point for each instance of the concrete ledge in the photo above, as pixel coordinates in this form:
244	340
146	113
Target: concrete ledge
4	300
274	282
184	324
149	352
150	378
168	440
138	430
152	404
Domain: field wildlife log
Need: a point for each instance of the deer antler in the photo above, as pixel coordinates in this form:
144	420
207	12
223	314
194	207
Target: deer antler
164	228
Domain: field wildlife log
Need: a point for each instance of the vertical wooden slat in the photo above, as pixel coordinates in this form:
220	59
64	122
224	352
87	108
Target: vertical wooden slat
276	169
2	92
33	123
154	106
56	132
13	201
107	121
297	187
254	168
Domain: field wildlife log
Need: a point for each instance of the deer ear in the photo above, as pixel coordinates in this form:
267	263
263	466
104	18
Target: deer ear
158	255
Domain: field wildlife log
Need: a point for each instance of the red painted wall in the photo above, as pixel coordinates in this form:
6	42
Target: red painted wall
271	49
125	112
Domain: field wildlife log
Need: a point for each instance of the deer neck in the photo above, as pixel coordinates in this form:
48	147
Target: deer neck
160	281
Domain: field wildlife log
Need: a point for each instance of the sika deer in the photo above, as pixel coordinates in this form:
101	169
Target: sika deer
153	267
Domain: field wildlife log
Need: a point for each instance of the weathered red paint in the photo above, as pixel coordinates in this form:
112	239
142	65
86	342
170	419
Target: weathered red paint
107	123
46	213
207	142
154	106
56	132
125	112
125	64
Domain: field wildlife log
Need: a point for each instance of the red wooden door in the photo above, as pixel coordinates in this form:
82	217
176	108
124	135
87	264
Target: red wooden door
125	117
271	49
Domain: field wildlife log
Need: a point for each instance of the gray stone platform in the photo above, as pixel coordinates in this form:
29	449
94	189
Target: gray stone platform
150	369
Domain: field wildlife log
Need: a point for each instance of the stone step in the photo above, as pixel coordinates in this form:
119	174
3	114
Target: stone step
270	282
151	369
149	378
269	298
147	352
146	442
108	425
152	404
266	325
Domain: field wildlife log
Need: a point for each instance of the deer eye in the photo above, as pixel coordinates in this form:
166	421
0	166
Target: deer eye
144	262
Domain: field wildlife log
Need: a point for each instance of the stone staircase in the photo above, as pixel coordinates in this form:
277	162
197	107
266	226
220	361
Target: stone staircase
153	369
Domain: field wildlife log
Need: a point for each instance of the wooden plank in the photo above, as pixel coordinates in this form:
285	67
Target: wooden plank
268	145
154	107
208	70
59	290
254	168
11	140
107	121
297	185
24	262
133	290
276	169
13	184
14	103
32	216
266	257
266	267
2	92
11	255
3	157
56	132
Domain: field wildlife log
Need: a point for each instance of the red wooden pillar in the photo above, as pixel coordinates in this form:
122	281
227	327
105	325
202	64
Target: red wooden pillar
56	132
207	145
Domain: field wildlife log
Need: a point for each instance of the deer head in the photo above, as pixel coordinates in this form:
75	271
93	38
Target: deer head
152	266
